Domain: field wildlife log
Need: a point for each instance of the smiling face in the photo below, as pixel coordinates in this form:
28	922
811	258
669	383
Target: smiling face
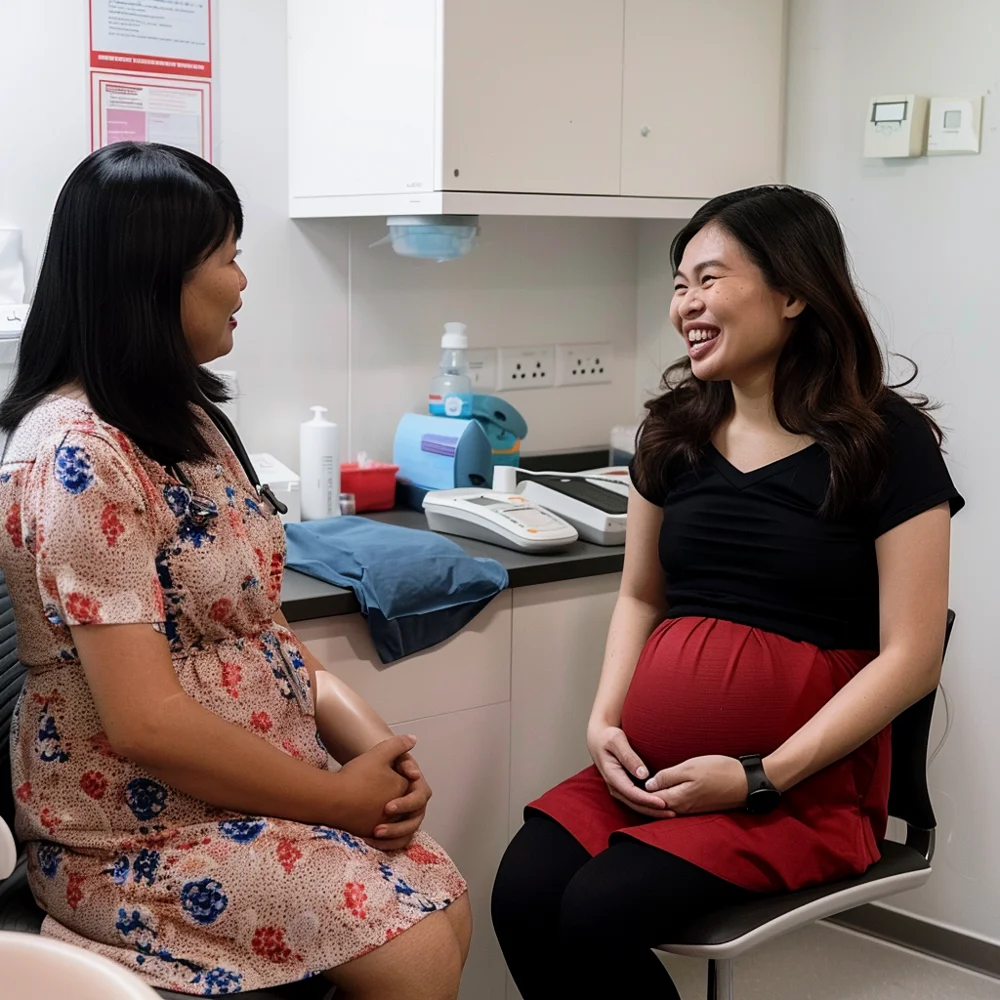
734	324
210	299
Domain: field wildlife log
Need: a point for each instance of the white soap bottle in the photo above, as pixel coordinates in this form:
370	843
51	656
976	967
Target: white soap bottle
319	467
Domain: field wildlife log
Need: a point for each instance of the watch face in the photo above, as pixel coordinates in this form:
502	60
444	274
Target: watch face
763	800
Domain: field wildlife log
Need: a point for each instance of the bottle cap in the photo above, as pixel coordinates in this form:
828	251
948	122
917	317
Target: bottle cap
454	338
317	420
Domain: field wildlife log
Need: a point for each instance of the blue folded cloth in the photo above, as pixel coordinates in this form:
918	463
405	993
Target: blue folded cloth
416	588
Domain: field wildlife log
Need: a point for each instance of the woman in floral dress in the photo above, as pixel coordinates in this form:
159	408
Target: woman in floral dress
170	749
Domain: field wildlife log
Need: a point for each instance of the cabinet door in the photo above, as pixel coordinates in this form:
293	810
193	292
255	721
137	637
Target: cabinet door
471	668
465	756
702	104
532	96
558	647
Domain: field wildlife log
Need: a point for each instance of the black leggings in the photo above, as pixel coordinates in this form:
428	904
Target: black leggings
572	925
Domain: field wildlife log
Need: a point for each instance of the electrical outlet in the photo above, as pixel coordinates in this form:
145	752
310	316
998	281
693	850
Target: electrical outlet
584	364
527	367
483	369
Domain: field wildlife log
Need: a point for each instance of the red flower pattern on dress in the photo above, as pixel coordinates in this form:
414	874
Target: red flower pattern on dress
49	819
355	898
101	743
420	854
392	932
261	721
83	609
111	525
221	609
269	943
288	854
232	675
23	792
94	784
236	523
52	698
274	576
74	889
13	525
291	749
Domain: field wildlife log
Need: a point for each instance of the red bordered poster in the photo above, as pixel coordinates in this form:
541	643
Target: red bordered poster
162	37
151	109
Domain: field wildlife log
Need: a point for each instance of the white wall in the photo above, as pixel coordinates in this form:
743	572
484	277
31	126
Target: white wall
326	319
923	238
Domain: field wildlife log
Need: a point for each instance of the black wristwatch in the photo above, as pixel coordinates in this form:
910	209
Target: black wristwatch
762	796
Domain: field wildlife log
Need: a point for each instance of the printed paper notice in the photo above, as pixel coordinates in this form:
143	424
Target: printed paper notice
129	108
172	37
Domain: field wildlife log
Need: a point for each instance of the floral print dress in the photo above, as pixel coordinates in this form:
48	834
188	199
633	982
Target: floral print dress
194	898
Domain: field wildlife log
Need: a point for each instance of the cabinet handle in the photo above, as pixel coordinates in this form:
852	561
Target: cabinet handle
644	131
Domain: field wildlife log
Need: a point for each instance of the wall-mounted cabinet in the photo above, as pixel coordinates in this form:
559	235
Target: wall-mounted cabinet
629	108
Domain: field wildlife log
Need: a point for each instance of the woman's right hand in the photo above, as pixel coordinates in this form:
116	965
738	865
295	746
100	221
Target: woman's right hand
617	761
367	784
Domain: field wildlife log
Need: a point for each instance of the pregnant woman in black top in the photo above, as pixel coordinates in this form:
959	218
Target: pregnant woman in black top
783	599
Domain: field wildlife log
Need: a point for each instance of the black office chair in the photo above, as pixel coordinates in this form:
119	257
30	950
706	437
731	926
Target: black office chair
723	936
18	910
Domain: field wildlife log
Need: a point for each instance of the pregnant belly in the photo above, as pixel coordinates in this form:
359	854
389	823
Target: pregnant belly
705	686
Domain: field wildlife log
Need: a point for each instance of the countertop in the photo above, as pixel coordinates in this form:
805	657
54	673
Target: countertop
303	597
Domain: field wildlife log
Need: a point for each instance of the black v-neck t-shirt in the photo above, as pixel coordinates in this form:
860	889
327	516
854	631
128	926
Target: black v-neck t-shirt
751	547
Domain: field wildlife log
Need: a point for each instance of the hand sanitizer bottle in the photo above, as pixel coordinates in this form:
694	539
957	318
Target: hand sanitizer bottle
451	388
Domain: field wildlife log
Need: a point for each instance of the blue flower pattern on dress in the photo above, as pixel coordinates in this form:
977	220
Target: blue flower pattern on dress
407	895
194	514
50	749
220	982
340	837
74	470
204	900
145	866
145	797
119	871
243	831
49	858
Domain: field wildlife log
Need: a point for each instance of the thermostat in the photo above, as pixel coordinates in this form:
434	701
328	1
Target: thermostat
954	125
896	126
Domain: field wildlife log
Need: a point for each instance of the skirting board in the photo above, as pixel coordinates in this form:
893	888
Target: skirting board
919	935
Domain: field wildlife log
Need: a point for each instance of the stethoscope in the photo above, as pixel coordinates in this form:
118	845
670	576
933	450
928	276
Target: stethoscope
225	427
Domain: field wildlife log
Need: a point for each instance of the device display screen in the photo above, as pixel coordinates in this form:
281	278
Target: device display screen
483	501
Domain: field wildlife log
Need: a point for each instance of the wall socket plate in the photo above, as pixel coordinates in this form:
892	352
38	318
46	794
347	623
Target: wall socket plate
527	368
483	369
584	364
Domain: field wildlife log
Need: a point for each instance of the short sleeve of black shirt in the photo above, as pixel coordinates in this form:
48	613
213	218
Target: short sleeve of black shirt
917	479
654	495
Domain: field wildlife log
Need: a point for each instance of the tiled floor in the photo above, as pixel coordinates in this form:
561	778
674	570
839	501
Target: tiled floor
822	962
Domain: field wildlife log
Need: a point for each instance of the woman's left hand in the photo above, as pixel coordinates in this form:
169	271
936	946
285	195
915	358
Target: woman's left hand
700	785
404	815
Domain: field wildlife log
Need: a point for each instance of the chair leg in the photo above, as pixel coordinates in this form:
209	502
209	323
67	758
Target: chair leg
720	979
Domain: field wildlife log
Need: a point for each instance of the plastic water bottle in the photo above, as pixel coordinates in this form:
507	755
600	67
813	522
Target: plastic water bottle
451	388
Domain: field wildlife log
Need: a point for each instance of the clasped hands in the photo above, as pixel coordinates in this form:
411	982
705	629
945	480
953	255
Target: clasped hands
700	785
388	794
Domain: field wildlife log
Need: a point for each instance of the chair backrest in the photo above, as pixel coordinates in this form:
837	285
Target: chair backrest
11	681
909	796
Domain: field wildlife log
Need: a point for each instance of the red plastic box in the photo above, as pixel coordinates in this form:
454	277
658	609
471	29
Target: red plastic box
374	487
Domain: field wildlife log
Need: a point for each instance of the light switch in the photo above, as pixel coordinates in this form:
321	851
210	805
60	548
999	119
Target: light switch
896	126
955	125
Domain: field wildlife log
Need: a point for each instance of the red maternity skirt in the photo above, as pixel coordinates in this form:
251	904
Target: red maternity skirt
705	686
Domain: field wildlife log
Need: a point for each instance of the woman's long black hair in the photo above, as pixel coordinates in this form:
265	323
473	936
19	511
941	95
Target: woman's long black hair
130	224
830	382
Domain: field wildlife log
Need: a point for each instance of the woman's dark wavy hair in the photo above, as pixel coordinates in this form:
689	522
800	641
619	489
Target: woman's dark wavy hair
830	381
130	224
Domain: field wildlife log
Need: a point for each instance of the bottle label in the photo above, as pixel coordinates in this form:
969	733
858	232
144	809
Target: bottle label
457	406
451	405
